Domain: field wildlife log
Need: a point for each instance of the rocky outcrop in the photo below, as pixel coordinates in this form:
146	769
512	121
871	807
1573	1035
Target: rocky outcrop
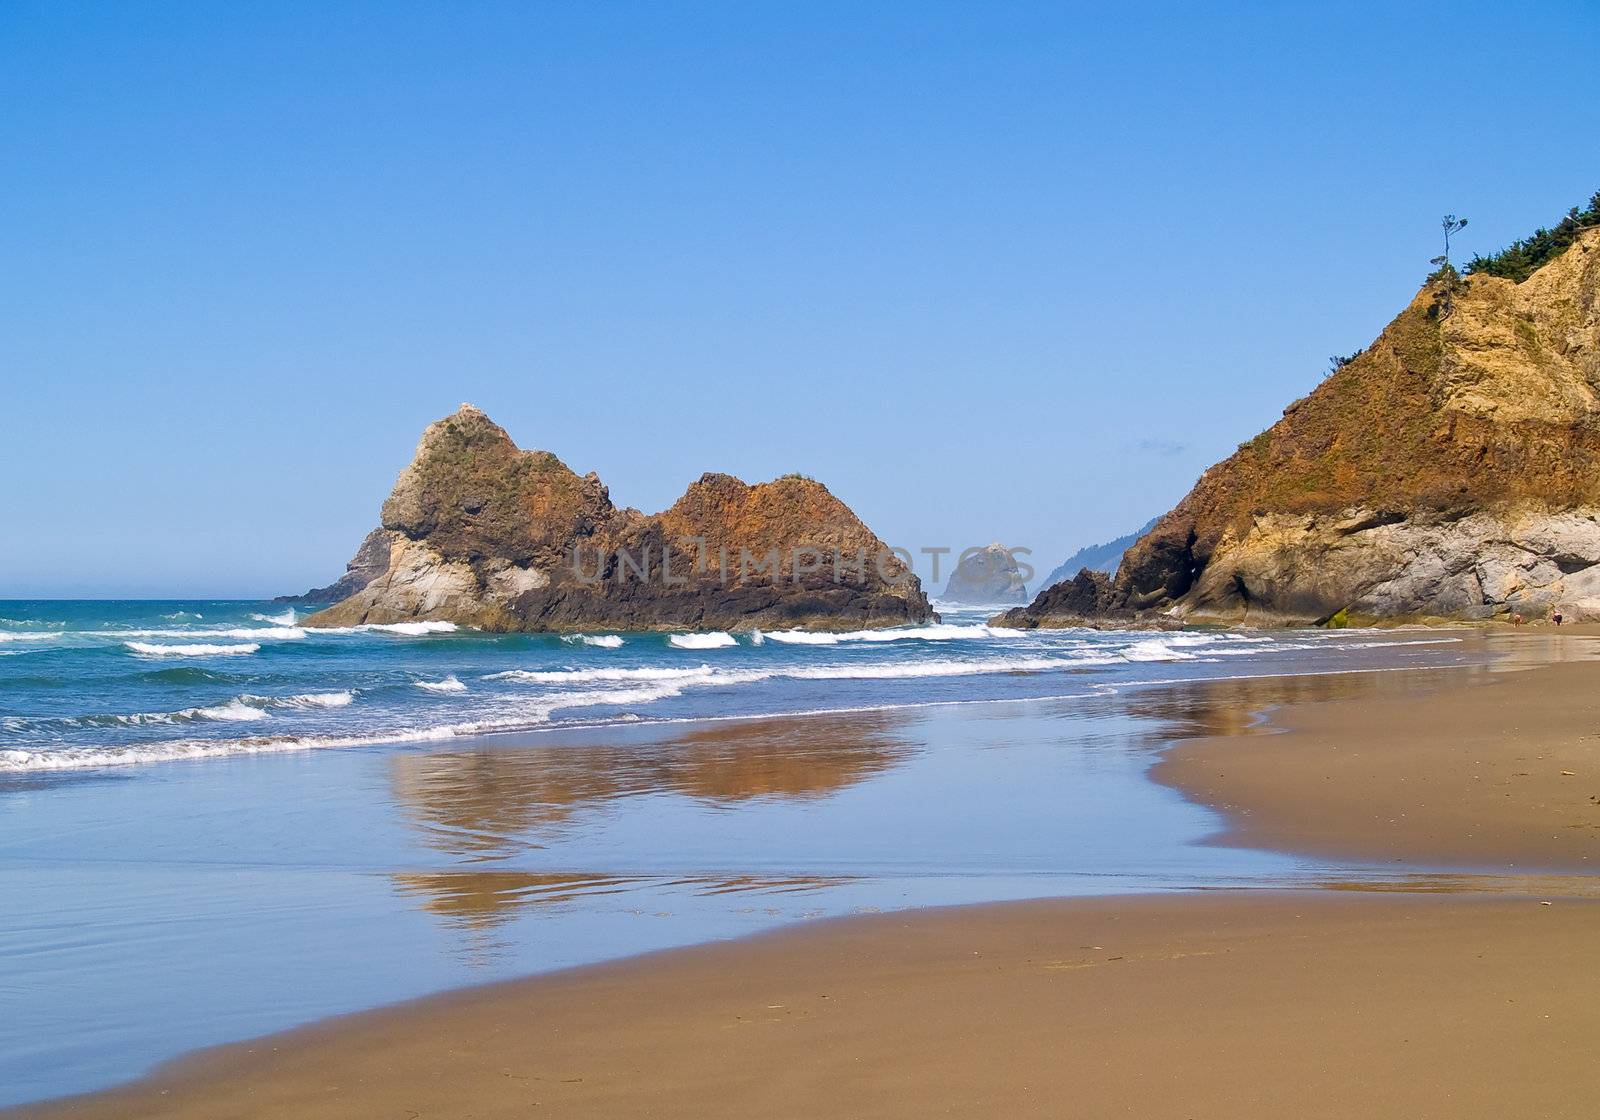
1450	470
485	534
986	575
370	561
1083	600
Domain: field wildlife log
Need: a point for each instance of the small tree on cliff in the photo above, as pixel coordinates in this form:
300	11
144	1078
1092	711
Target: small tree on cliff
1452	225
1445	274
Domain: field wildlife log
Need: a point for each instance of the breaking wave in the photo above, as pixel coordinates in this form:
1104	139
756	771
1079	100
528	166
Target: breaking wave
147	649
717	639
452	683
404	629
244	633
938	632
599	641
287	618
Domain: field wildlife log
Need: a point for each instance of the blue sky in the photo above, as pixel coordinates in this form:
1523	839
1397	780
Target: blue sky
991	271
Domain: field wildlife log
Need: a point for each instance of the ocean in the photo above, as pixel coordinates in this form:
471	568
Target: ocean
216	822
97	684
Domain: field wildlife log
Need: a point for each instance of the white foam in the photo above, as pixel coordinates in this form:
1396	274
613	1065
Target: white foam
937	632
717	639
404	629
240	708
287	618
706	675
599	641
146	649
450	684
1155	649
233	711
341	699
582	676
243	633
25	636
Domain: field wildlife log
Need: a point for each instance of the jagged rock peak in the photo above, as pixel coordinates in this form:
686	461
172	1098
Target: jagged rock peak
487	534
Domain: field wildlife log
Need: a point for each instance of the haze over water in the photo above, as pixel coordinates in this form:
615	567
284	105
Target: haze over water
215	822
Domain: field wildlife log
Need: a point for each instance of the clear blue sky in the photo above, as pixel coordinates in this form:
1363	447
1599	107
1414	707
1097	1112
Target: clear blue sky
989	270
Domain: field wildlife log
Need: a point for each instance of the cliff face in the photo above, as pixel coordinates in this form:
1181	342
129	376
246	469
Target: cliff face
485	534
988	575
1452	469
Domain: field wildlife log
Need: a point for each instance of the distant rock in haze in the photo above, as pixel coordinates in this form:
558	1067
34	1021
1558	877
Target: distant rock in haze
985	576
370	561
484	534
1097	557
1449	470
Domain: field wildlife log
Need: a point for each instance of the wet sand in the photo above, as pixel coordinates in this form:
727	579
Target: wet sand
1499	773
1229	1005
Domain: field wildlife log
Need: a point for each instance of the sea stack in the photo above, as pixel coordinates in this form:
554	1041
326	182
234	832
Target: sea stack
1451	470
985	576
485	534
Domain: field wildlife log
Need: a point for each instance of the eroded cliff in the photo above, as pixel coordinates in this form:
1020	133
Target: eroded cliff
1451	470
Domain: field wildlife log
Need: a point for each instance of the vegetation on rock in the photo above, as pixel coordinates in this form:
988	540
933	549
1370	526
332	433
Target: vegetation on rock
1521	259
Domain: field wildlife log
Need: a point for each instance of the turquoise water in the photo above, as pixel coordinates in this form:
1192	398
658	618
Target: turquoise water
200	846
97	684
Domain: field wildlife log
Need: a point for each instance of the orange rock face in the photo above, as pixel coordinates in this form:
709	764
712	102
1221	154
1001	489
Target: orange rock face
489	535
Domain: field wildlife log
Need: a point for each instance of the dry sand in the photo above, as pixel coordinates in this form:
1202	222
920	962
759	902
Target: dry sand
1234	1006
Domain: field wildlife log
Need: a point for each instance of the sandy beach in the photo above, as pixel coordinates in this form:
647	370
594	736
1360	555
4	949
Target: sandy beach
1437	1000
1502	774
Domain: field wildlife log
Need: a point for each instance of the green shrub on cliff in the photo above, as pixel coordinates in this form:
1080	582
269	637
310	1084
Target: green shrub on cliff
1518	261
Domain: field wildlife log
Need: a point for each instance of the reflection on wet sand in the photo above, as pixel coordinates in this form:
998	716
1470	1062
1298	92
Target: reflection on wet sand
492	802
1203	709
483	899
486	898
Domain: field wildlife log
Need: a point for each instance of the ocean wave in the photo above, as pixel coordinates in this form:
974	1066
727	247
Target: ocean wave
287	618
937	632
26	636
233	711
241	633
707	675
583	676
452	683
1155	649
403	629
146	649
305	700
599	641
182	674
717	639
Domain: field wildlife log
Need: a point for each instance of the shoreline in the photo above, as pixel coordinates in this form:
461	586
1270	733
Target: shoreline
255	1076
